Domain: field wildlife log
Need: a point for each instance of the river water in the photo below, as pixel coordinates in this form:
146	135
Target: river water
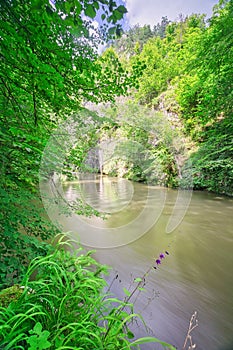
195	276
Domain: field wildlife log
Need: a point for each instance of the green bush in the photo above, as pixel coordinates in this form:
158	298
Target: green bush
24	231
146	145
212	163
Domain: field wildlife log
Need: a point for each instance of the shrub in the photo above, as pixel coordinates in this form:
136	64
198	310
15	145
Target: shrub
63	307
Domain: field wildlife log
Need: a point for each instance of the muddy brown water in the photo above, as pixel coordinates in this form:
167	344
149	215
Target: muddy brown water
195	276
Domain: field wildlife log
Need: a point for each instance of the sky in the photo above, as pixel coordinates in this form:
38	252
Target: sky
151	11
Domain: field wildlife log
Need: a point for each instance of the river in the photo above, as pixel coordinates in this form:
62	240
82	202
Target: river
195	276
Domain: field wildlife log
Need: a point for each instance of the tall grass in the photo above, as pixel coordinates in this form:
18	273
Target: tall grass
63	306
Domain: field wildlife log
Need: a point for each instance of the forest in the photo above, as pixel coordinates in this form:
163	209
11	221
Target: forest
166	91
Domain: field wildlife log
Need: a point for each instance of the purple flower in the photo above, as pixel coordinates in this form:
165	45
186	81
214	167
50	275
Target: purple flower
158	261
162	256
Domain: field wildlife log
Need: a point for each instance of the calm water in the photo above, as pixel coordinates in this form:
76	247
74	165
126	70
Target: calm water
195	276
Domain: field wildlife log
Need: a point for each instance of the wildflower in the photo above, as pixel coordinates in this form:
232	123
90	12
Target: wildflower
159	260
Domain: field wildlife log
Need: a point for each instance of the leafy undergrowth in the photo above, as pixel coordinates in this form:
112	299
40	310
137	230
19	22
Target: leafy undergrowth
212	163
63	306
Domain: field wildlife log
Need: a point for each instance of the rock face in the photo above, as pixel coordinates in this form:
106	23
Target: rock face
93	160
145	144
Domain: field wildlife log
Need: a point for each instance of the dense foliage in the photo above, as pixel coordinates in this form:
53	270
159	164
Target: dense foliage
65	307
49	68
189	74
213	166
140	144
132	41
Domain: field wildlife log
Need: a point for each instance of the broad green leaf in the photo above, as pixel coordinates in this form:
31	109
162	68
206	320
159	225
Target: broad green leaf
90	11
121	9
126	291
37	328
96	5
117	15
112	30
78	8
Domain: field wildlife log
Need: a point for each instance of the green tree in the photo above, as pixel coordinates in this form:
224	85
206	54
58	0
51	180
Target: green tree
205	93
217	56
49	68
168	60
136	36
160	28
161	61
212	163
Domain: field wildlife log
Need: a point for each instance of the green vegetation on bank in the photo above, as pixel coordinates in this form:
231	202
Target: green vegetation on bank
62	305
49	71
189	70
140	144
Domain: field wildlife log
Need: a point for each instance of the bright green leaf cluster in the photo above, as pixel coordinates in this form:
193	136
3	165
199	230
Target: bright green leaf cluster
64	307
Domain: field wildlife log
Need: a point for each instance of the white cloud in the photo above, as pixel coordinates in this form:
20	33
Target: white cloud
151	11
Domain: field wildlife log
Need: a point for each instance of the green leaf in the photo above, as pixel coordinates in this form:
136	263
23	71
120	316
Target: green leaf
40	340
36	5
130	335
96	5
112	30
78	8
152	340
121	9
117	15
138	279
90	11
127	292
67	7
37	328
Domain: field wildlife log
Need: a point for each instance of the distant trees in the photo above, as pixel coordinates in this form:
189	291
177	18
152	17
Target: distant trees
133	40
159	29
189	71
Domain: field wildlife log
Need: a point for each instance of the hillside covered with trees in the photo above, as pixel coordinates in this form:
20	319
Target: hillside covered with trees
188	75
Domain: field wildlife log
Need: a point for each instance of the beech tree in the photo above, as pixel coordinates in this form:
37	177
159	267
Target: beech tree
49	67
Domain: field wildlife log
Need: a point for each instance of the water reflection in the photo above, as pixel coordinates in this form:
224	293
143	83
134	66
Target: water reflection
195	276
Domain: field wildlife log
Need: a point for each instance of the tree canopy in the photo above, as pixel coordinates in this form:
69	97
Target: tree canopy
188	74
49	68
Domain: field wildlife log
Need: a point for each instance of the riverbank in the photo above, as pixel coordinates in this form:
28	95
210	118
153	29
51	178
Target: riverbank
196	274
